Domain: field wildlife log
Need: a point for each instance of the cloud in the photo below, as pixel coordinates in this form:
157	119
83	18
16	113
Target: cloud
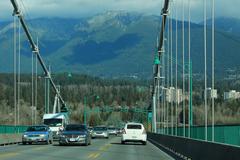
81	8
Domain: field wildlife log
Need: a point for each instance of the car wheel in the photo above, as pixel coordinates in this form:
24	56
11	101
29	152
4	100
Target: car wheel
122	142
24	143
29	142
144	143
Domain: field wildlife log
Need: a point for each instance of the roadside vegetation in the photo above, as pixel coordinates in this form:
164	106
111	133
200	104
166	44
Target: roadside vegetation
102	93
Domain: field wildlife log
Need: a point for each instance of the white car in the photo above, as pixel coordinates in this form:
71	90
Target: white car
100	131
134	132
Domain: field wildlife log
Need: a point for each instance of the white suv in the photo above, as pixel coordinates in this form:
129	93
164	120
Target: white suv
134	132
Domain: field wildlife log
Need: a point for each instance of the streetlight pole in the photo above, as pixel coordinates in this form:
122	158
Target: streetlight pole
85	107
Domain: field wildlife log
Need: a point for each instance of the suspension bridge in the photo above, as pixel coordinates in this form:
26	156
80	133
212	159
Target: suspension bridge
169	118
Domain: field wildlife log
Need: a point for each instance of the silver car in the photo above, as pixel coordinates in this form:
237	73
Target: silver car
101	132
37	134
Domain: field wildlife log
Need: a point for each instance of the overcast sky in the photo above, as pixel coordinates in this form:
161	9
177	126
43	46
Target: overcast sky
81	8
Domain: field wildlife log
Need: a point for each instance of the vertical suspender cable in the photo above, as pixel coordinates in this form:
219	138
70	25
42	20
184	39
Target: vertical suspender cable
189	68
32	89
163	85
164	82
36	86
19	73
183	66
171	68
176	69
158	99
36	89
14	69
213	65
168	73
205	66
48	90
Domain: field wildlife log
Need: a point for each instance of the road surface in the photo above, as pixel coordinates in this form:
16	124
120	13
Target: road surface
100	149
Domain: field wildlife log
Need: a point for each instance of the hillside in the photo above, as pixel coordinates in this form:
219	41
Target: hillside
112	44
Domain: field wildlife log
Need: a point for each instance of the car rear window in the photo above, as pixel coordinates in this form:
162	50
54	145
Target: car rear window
100	128
134	126
37	128
76	128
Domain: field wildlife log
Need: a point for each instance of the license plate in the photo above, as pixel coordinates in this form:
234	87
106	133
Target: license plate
72	139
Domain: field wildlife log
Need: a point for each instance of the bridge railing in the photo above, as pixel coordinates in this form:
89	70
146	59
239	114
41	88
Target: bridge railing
181	148
227	134
10	129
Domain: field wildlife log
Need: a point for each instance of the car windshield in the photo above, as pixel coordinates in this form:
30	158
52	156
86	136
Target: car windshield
37	128
76	128
111	128
53	122
100	129
134	126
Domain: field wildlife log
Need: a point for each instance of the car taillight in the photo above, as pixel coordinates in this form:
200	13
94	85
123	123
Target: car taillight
124	131
144	132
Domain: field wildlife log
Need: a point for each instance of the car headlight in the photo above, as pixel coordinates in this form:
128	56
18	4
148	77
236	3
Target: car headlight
25	136
42	135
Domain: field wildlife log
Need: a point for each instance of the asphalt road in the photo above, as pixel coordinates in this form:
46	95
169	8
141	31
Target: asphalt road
100	149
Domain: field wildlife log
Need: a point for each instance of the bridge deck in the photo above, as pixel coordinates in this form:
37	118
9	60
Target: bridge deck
101	149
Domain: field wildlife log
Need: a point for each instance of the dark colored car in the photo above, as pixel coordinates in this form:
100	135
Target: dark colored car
75	134
37	134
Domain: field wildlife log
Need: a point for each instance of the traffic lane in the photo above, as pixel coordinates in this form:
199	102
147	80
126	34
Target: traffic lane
101	149
132	151
52	152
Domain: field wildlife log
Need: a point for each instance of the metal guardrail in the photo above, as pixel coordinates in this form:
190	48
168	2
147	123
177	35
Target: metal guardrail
227	134
9	129
190	149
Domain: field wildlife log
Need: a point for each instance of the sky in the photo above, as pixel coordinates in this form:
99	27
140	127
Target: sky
83	8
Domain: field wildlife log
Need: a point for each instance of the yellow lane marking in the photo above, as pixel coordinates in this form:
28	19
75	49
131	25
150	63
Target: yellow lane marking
102	149
91	155
96	155
105	147
10	154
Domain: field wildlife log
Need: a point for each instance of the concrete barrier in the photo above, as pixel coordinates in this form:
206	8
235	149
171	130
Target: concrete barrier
184	148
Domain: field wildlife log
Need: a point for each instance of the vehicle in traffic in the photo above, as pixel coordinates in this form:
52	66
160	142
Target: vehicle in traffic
37	134
100	132
134	132
75	134
90	129
119	131
56	122
112	131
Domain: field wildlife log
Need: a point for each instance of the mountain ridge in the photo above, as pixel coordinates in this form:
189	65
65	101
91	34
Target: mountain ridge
111	44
